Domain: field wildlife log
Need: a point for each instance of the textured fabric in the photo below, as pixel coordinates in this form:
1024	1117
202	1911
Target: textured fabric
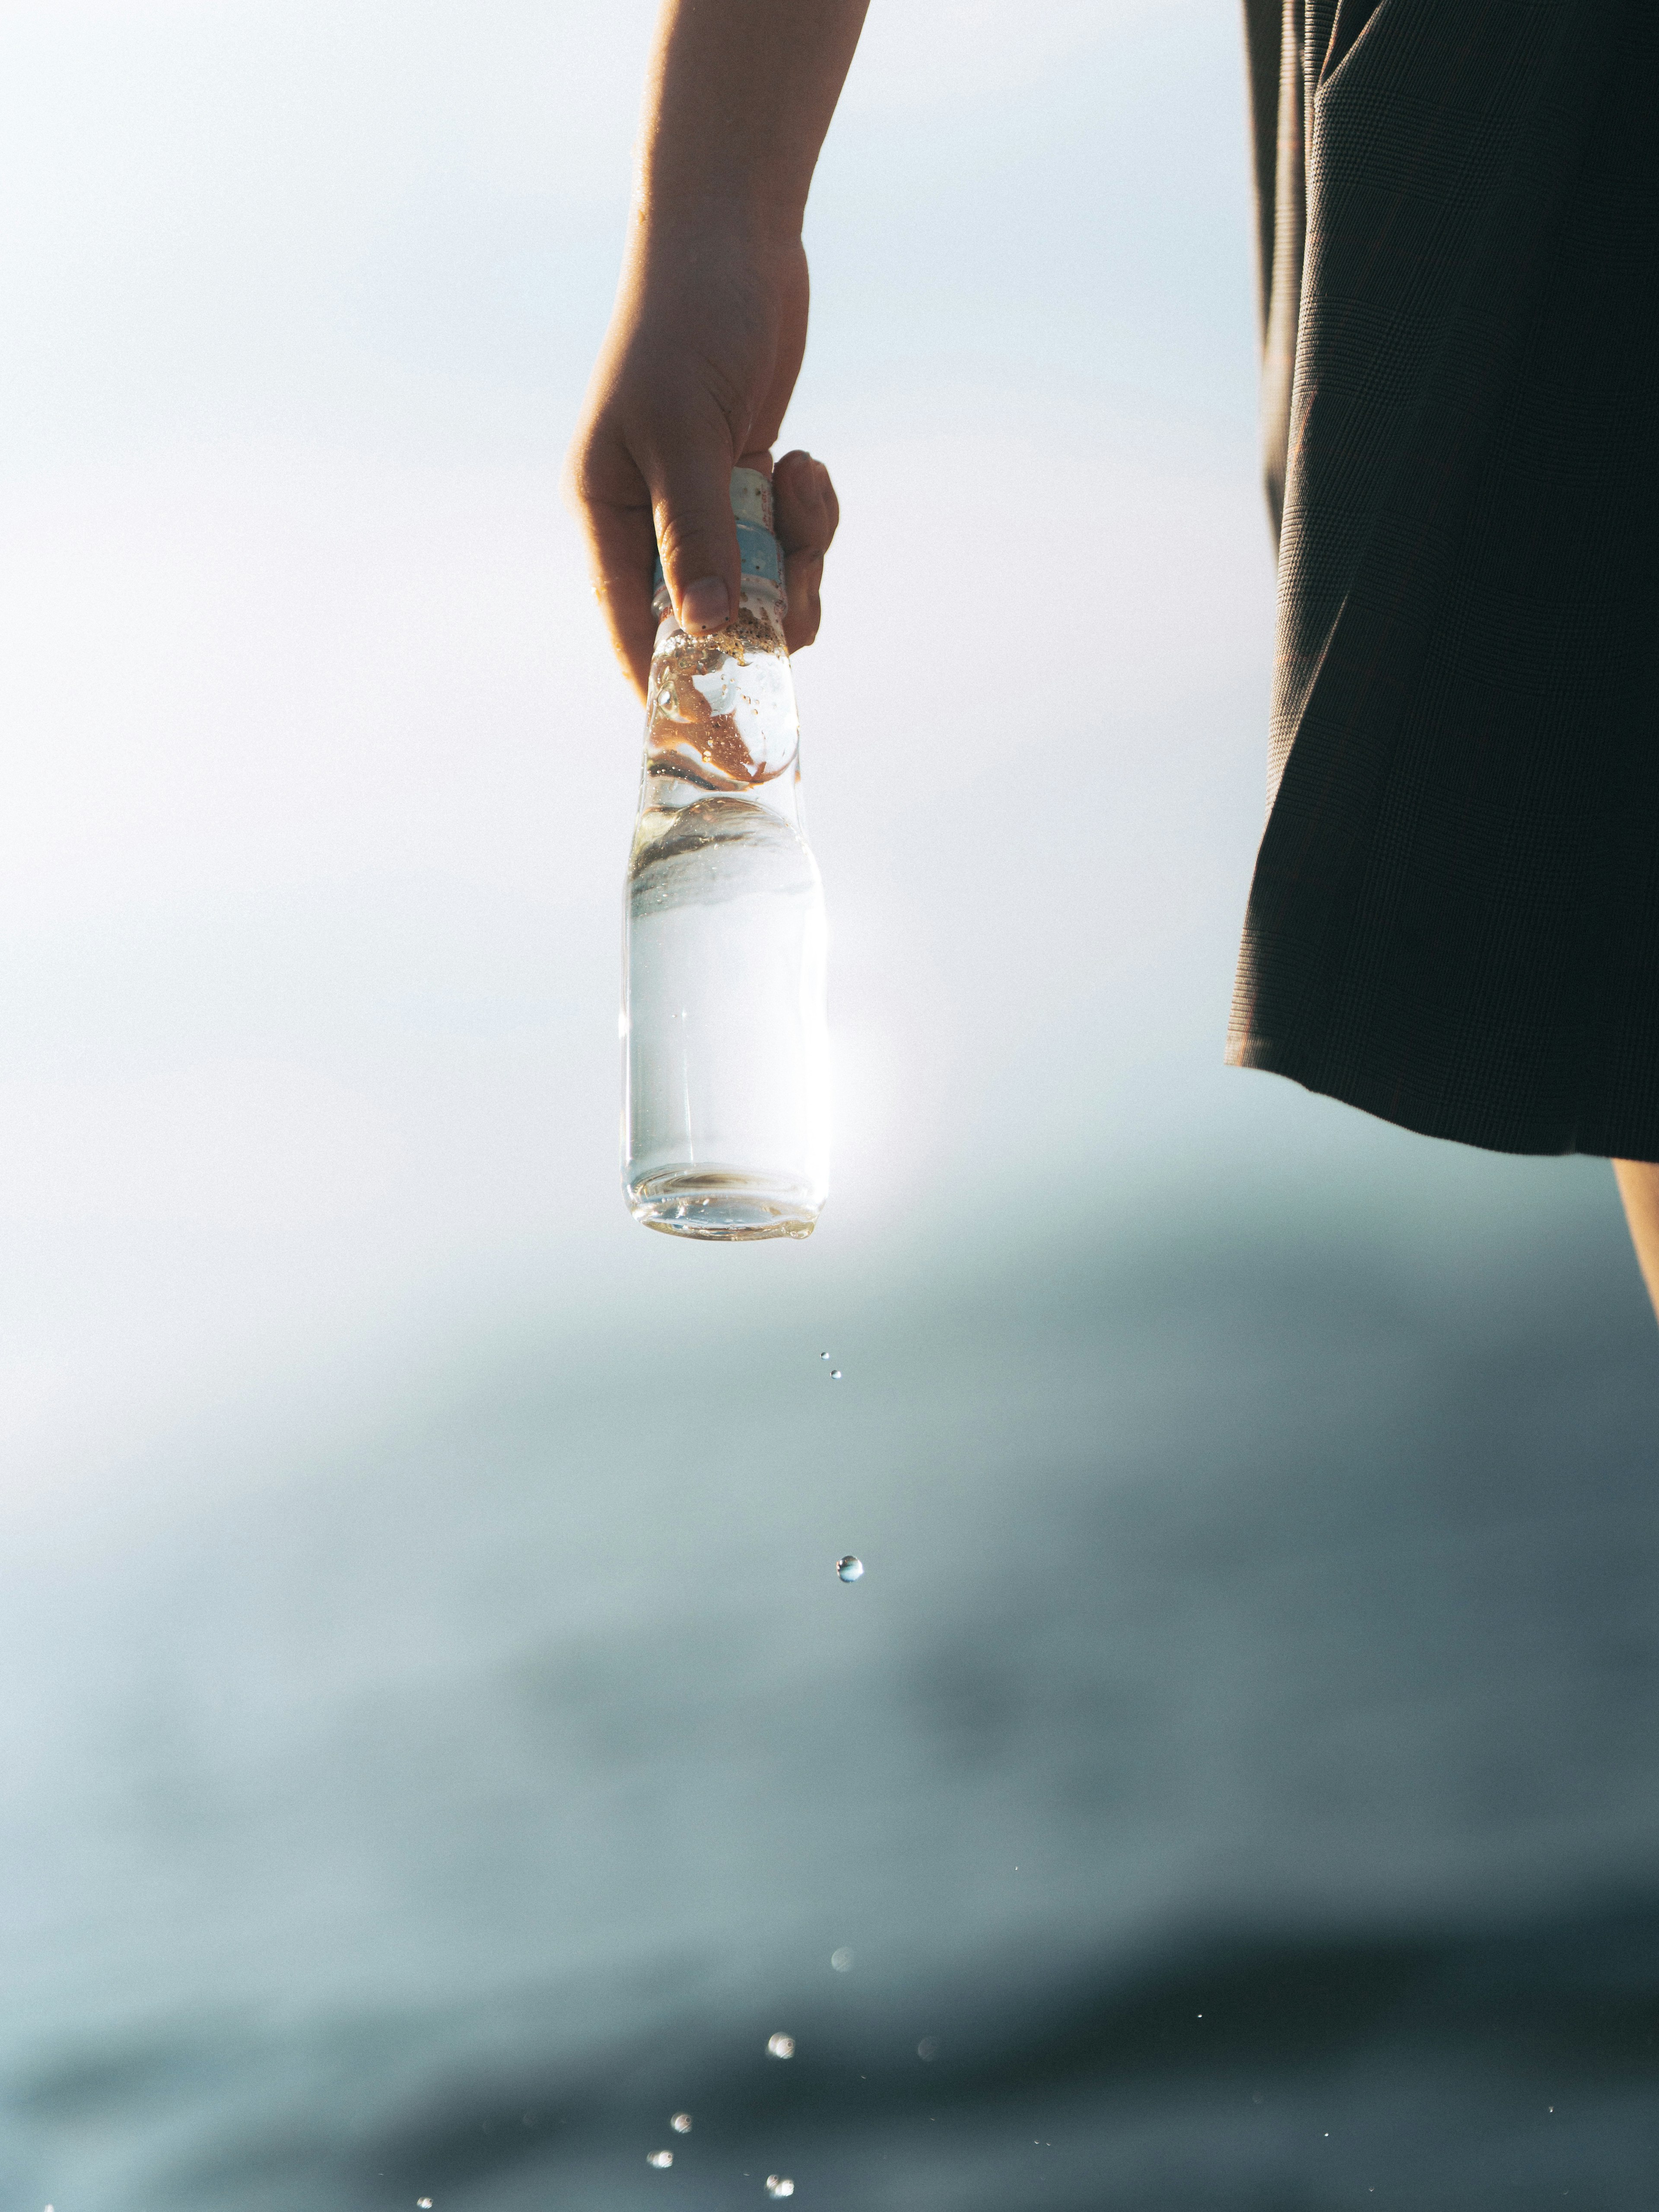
1454	917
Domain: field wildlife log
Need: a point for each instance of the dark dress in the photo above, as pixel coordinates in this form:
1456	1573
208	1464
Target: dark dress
1454	917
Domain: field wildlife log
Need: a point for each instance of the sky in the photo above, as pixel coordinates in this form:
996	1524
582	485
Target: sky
317	776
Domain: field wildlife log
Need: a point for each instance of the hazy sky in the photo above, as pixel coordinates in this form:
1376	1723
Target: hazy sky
318	779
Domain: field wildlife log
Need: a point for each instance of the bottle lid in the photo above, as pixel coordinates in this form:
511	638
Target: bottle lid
759	553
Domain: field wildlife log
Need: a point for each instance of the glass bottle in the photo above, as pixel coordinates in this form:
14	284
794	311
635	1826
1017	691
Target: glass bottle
726	1103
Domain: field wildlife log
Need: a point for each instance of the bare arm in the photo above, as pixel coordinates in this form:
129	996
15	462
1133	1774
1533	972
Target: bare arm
1639	1186
707	336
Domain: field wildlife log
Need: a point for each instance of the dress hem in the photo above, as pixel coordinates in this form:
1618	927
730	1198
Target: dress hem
1453	1128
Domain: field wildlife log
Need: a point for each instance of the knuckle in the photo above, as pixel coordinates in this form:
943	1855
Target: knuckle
690	545
576	481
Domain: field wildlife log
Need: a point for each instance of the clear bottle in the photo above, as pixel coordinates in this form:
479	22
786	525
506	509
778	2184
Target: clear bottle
725	1098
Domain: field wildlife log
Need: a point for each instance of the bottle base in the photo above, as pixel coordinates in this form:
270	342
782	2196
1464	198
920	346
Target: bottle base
721	1207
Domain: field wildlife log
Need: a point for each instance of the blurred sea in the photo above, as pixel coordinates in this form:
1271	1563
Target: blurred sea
1237	1762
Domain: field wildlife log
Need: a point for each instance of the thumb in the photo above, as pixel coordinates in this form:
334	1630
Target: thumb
808	512
697	535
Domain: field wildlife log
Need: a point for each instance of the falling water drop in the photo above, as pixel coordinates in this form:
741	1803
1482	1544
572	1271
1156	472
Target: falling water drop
779	2184
781	2046
681	2124
851	1569
834	1377
841	1960
823	1355
928	2047
660	2158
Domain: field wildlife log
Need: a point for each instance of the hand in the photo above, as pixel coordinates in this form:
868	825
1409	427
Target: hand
692	382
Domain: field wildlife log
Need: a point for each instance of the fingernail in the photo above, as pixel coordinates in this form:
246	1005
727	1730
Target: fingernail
706	603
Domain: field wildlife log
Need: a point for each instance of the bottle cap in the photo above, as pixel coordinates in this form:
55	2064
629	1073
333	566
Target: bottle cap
759	553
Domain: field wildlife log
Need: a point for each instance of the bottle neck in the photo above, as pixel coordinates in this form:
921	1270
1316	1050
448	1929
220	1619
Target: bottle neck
760	598
721	709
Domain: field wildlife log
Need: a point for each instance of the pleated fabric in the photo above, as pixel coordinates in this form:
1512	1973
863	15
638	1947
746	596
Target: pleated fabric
1454	921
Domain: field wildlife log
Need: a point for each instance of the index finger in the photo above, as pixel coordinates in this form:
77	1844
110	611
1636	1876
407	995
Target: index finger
621	545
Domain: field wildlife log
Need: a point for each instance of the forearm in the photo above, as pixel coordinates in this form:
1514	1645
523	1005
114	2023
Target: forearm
738	99
710	325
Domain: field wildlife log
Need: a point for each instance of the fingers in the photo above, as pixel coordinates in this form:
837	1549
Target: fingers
629	503
807	511
633	495
691	499
620	552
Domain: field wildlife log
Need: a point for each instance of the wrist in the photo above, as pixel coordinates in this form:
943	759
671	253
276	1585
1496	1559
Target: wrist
752	218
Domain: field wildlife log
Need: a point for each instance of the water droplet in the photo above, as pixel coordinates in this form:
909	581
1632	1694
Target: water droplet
851	1569
681	2124
835	1374
660	2158
823	1355
779	2184
781	2046
928	2047
841	1960
422	2204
